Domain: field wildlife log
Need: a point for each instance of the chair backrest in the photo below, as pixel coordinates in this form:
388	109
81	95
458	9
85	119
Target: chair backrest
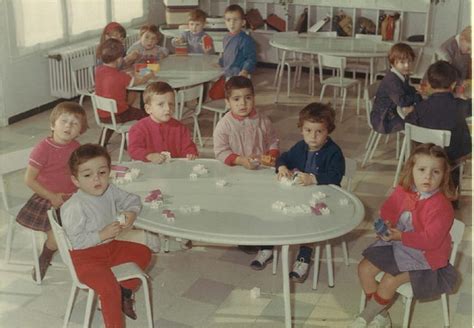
186	95
218	46
457	231
374	37
64	245
329	61
9	163
82	72
325	34
369	97
351	169
105	104
441	138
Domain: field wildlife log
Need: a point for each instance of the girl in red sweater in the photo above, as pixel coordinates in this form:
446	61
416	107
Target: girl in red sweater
417	245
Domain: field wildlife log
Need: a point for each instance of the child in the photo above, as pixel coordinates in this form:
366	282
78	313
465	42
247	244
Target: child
47	174
159	132
198	41
318	160
457	51
443	111
395	91
110	82
114	30
239	56
89	219
146	50
417	248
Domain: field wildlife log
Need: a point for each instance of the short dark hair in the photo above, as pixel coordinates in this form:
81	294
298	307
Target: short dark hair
110	50
85	153
237	82
197	15
235	8
441	75
400	51
150	28
156	88
318	113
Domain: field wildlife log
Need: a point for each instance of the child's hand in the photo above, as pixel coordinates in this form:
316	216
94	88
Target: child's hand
283	172
57	199
130	218
133	56
247	162
244	73
306	179
110	231
407	110
191	157
156	158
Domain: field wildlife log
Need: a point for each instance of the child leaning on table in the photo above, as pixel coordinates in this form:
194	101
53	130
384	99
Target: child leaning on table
160	132
395	96
146	50
89	219
48	175
417	247
198	41
317	159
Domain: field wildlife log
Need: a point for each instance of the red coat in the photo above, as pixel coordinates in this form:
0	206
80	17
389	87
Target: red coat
432	220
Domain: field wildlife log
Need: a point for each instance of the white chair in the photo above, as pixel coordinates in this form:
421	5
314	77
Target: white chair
82	73
122	272
183	97
12	162
218	47
218	107
363	65
338	81
110	106
351	168
406	291
441	138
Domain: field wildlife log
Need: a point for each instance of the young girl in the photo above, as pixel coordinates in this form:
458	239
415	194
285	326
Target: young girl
419	216
114	30
395	96
146	50
318	160
48	175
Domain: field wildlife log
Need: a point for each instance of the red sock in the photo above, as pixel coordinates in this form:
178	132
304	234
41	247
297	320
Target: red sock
380	300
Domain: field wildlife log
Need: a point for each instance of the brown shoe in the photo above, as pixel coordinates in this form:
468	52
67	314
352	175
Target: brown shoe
127	307
44	262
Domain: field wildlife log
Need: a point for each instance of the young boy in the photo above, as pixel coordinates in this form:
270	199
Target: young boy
317	159
443	111
89	219
112	83
240	55
395	96
159	132
198	41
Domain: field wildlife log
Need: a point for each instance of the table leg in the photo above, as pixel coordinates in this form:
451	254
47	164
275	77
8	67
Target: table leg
280	75
286	285
371	73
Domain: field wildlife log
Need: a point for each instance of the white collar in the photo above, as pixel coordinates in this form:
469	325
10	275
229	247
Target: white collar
397	73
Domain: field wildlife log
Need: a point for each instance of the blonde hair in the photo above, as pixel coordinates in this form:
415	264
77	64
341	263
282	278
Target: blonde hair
70	107
432	150
156	88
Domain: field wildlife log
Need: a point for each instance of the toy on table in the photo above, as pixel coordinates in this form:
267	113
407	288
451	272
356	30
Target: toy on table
122	174
181	47
145	68
381	228
320	209
200	169
186	209
168	215
221	183
267	160
154	195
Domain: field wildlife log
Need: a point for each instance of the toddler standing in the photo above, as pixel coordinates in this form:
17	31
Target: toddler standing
146	50
418	245
198	41
48	175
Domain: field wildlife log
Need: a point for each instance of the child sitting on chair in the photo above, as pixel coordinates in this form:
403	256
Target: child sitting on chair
198	41
395	96
47	174
416	245
160	132
317	159
146	50
89	219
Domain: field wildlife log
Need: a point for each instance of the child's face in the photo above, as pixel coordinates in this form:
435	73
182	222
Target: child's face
403	66
93	176
149	40
241	102
195	26
428	173
233	21
115	35
314	134
161	107
66	128
465	46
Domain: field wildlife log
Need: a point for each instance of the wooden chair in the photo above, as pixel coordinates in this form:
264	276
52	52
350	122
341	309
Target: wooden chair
82	73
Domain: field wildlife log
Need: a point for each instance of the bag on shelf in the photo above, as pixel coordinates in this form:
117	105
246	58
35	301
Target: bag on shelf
254	19
390	26
365	26
302	22
342	24
319	24
276	23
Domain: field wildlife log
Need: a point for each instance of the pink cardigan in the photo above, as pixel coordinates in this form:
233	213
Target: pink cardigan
432	219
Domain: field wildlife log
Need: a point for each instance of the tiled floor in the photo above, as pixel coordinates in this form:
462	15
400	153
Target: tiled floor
209	286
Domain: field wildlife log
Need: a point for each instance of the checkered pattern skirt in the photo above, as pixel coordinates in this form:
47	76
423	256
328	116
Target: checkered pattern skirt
34	214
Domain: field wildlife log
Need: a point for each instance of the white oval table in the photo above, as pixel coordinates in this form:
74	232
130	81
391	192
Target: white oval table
240	213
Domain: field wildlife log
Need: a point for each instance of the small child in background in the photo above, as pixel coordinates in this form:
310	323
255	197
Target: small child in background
89	219
160	132
395	96
146	50
112	83
198	41
114	30
457	51
417	247
48	175
318	160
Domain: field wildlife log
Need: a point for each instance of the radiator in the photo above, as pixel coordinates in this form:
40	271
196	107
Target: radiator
59	59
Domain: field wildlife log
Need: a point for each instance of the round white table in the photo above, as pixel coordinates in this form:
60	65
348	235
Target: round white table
217	36
240	213
338	46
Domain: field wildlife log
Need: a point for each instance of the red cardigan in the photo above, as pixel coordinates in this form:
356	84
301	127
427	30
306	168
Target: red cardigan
432	219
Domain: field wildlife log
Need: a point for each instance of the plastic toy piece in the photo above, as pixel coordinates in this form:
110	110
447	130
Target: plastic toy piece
154	195
267	160
193	176
318	207
168	215
156	204
200	169
343	201
121	219
221	183
319	195
167	155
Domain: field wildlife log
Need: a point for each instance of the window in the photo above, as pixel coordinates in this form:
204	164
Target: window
126	10
86	15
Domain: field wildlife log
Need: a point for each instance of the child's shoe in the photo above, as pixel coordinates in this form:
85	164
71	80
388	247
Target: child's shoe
359	322
128	303
186	244
263	257
300	270
44	262
381	322
152	240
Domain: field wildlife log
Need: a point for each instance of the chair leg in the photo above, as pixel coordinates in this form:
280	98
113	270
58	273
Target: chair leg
70	303
444	303
400	161
87	315
275	260
81	98
321	95
122	146
102	138
369	139
344	94
358	99
370	145
146	291
166	247
197	131
8	247
275	79
317	252
397	149
375	146
35	257
329	265
344	252
288	82
363	299
406	314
